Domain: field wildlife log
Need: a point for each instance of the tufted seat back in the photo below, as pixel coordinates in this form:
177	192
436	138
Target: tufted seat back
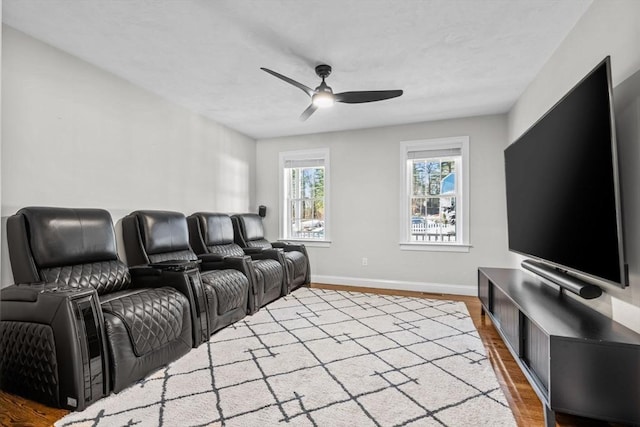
212	233
156	236
249	232
74	248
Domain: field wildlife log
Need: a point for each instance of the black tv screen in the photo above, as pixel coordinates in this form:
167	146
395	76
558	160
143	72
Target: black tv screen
563	200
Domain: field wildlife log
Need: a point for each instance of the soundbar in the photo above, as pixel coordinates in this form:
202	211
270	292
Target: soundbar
564	280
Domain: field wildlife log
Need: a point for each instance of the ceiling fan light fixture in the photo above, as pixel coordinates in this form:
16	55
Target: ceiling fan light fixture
323	99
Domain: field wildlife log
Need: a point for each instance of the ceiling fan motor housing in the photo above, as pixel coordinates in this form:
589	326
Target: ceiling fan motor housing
323	70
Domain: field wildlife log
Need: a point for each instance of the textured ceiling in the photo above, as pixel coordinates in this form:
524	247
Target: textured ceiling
451	58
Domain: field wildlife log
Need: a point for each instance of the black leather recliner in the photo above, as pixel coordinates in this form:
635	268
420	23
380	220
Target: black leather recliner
73	251
249	233
212	233
153	237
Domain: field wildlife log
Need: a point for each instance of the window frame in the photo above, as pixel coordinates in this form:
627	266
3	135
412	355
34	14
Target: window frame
462	206
311	154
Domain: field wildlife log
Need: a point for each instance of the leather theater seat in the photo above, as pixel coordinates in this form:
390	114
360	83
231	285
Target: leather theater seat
74	251
212	233
152	237
249	233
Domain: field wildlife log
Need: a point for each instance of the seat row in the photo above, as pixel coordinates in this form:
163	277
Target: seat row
80	323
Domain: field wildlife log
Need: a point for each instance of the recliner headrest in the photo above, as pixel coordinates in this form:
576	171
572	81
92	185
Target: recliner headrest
163	231
216	228
251	225
67	236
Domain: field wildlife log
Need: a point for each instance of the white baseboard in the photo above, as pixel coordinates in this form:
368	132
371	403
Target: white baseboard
400	285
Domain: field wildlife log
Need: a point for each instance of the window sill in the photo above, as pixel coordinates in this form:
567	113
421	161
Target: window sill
435	247
309	243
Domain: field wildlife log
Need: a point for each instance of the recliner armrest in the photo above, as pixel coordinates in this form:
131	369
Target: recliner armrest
219	262
237	263
205	258
212	262
37	293
144	276
289	246
176	264
20	294
275	254
143	271
154	274
252	251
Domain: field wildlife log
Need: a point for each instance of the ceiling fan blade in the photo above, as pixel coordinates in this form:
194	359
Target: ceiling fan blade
366	96
306	113
300	86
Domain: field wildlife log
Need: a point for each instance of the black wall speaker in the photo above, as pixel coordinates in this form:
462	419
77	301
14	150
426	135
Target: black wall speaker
262	211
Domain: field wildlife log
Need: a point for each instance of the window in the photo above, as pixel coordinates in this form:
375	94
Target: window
304	195
434	204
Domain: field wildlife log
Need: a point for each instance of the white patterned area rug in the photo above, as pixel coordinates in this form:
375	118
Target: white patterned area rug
323	358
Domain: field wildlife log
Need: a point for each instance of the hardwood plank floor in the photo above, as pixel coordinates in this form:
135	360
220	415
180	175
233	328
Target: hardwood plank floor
19	412
526	407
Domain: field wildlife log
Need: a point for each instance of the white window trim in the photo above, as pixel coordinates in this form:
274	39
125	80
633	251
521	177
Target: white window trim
303	155
461	142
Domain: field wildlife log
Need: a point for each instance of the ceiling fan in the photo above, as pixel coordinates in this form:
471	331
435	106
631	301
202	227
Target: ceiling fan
323	96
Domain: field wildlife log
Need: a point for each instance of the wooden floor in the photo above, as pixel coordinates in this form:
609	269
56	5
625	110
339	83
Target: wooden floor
526	407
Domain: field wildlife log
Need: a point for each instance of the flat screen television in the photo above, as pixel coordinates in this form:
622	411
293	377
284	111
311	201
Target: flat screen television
563	192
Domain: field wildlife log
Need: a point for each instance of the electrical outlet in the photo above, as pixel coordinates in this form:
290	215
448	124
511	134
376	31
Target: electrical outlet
365	261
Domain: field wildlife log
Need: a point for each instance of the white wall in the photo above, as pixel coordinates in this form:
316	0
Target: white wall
364	213
609	27
76	136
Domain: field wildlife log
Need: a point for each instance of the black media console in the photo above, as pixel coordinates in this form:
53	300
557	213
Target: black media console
577	360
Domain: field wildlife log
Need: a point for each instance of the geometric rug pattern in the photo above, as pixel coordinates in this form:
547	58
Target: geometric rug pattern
323	358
